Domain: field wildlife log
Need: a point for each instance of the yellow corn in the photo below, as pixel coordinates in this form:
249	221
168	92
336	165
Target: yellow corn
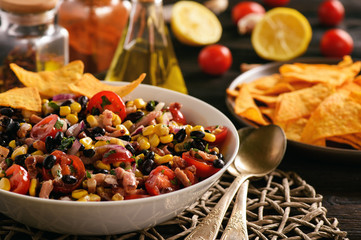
94	197
5	184
209	137
44	101
117	197
72	118
85	183
163	159
138	173
12	144
148	130
2	173
100	143
130	104
128	124
122	129
75	107
188	129
215	149
140	156
93	122
79	193
116	120
84	199
19	151
161	129
33	187
198	128
116	141
166	139
116	164
100	165
64	110
87	142
139	103
179	147
154	140
143	143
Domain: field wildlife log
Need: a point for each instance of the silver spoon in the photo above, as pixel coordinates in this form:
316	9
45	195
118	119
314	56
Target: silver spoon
261	151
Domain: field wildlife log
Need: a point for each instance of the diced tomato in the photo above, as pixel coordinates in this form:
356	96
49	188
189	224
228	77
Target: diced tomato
113	156
161	178
107	100
219	131
204	168
177	115
49	126
70	165
19	179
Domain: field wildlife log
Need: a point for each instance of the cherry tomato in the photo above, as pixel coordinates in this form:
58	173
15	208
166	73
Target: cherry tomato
215	59
244	8
49	126
71	165
276	3
161	178
219	131
331	12
336	43
107	100
19	179
204	168
113	156
177	115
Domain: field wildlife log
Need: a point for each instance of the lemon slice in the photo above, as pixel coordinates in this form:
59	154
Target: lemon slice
281	35
194	24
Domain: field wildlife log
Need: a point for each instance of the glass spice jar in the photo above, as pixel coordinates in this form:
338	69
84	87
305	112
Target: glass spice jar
30	38
95	27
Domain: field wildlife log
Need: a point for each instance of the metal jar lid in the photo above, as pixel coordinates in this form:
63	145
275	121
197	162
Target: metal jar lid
27	6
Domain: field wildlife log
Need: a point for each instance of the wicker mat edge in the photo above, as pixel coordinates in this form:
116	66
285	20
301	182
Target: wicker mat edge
279	206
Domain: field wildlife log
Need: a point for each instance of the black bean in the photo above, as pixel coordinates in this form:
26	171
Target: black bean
9	112
31	149
197	134
134	116
101	171
213	153
69	179
20	159
6	121
58	137
89	152
149	155
67	103
218	163
220	156
82	148
99	131
10	150
83	101
127	138
49	144
207	131
151	105
180	135
12	128
147	166
49	161
198	145
130	148
95	111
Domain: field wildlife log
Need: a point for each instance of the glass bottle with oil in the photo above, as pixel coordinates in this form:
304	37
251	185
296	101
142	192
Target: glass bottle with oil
146	47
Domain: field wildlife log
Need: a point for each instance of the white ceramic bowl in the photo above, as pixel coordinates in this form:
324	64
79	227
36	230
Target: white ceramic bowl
113	217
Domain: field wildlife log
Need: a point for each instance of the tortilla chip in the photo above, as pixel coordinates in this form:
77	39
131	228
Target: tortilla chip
353	140
337	115
335	75
27	98
300	103
247	108
270	101
50	83
262	84
89	85
293	129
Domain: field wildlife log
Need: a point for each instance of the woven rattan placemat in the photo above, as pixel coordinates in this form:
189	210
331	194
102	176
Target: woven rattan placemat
281	205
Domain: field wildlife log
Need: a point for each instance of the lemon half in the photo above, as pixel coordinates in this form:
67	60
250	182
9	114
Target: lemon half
194	24
281	35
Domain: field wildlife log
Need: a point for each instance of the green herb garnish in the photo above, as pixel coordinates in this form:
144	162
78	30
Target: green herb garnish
107	154
105	102
59	124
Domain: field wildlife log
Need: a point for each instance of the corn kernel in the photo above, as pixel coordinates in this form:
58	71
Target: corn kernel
86	198
209	137
64	110
79	193
94	197
140	156
188	129
198	128
143	143
116	164
154	140
19	151
139	103
166	139
117	197
123	130
116	141
75	107
12	144
100	143
128	124
5	184
100	165
87	142
44	101
138	173
215	149
179	147
85	183
163	159
72	118
161	130
93	122
130	104
148	130
116	120
33	187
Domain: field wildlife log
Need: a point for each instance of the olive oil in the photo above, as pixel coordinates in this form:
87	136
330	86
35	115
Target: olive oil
150	52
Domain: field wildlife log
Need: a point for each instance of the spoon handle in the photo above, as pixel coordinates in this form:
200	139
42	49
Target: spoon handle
237	226
209	227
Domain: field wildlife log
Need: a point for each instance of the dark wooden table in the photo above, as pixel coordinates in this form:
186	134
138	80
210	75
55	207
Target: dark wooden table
337	179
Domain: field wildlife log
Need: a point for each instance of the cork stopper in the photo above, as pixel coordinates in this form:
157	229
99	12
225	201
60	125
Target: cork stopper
27	6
